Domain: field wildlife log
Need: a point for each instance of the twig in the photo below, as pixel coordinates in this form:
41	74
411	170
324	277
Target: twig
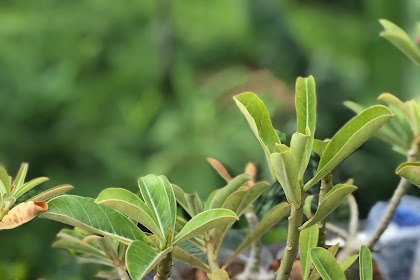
326	185
252	268
337	230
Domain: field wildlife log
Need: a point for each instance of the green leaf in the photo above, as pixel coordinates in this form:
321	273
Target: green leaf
222	194
204	222
331	200
180	198
194	203
307	206
141	258
29	185
185	257
352	135
84	213
220	169
397	36
273	216
20	177
365	264
301	147
333	251
355	107
259	120
108	275
132	206
71	243
239	200
219	274
286	169
403	108
326	265
4	180
305	101
159	197
410	171
51	193
308	239
318	146
347	263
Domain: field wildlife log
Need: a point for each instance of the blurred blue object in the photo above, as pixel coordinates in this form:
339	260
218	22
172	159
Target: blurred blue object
406	216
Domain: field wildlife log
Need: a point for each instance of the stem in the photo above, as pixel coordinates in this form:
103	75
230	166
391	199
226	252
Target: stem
337	230
211	256
326	186
164	268
349	249
122	273
252	268
292	243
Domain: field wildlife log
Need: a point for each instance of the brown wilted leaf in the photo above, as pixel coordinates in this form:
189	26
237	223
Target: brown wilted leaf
22	213
218	166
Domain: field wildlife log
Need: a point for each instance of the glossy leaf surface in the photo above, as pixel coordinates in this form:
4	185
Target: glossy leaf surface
326	265
410	171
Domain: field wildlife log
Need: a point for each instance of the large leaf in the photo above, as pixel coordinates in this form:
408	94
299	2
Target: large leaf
273	216
326	265
222	194
29	185
185	257
141	258
400	39
348	262
287	173
159	197
410	171
22	213
353	134
365	264
259	120
84	213
308	239
333	251
331	200
132	206
204	222
50	193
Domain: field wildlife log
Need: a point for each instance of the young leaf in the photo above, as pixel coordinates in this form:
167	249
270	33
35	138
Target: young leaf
219	274
203	222
194	203
273	216
305	101
20	177
28	186
180	198
4	180
410	171
326	265
403	108
22	213
84	213
365	264
347	263
159	197
353	134
77	245
308	239
141	258
132	206
307	206
239	200
333	251
185	257
286	169
400	39
259	120
318	146
301	147
50	193
331	200
220	169
222	194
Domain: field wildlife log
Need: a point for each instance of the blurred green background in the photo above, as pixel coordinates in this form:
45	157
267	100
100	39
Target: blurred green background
97	93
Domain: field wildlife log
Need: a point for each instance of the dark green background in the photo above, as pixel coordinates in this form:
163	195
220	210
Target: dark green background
96	93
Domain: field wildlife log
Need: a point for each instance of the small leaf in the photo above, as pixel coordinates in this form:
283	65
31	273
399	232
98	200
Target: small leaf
29	185
220	169
308	239
353	134
365	264
22	213
259	120
403	108
355	107
72	243
222	194
141	258
185	257
4	180
319	146
333	251
410	171
132	206
286	170
273	216
307	206
239	200
204	222
301	147
347	263
51	193
84	213
180	198
219	274
194	203
326	265
159	197
331	200
20	177
400	39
